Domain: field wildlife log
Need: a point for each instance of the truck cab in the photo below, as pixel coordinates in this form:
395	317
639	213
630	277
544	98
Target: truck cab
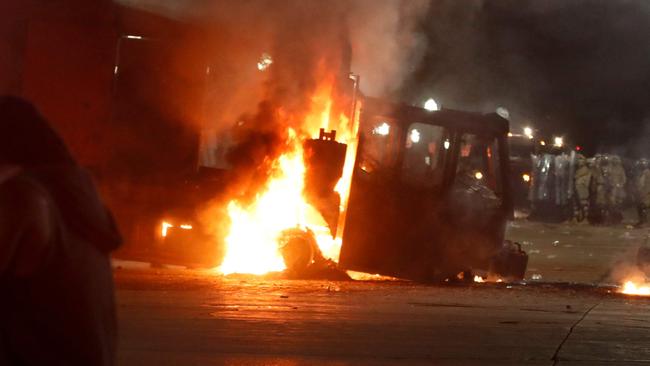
430	192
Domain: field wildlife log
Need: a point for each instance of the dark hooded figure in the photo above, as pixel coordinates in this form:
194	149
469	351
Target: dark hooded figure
56	287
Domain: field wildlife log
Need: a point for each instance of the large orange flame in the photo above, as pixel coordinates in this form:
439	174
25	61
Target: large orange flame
251	244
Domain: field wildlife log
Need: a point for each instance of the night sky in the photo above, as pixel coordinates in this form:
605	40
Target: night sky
573	67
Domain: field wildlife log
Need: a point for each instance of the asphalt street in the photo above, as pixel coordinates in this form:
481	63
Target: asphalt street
580	253
190	317
178	317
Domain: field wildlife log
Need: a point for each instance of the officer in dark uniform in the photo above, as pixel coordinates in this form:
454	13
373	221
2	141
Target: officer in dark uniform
642	188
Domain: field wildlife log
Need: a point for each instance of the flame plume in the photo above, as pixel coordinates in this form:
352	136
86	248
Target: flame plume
252	241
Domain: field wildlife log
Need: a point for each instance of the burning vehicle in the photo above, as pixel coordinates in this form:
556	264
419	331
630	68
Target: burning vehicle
357	183
317	178
405	192
430	195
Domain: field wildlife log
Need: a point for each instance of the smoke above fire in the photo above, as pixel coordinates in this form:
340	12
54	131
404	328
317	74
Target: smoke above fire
379	40
309	42
387	43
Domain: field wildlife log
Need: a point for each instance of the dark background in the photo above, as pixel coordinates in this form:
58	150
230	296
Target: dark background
579	68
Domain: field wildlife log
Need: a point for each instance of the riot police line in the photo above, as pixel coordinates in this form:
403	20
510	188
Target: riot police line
569	186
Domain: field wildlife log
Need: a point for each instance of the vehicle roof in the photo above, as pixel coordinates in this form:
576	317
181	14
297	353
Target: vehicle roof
406	114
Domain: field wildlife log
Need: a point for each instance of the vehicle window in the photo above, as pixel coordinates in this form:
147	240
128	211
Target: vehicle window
424	154
521	147
479	160
494	166
379	148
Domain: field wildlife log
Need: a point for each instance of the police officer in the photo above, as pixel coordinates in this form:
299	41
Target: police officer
617	189
642	185
598	190
581	181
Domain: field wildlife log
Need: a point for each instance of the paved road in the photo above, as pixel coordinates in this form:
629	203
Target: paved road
578	252
180	317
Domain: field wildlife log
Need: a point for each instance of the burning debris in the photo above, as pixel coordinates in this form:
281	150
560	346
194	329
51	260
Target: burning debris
291	176
631	276
631	288
639	284
291	181
303	257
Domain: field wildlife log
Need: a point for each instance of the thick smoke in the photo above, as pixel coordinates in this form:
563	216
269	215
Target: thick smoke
309	41
387	44
306	42
385	36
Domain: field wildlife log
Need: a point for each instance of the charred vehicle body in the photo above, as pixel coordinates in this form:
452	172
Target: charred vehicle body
430	195
153	177
429	198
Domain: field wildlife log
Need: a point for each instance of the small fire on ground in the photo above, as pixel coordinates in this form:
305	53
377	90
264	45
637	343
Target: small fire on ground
632	288
490	278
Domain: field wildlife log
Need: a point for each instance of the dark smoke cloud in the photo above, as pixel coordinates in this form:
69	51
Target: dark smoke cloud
303	40
387	45
377	39
577	67
384	36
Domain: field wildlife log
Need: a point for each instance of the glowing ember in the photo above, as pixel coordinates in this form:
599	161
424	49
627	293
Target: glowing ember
252	242
362	276
631	288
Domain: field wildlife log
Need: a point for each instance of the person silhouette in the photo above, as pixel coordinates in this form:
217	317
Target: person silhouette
56	235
